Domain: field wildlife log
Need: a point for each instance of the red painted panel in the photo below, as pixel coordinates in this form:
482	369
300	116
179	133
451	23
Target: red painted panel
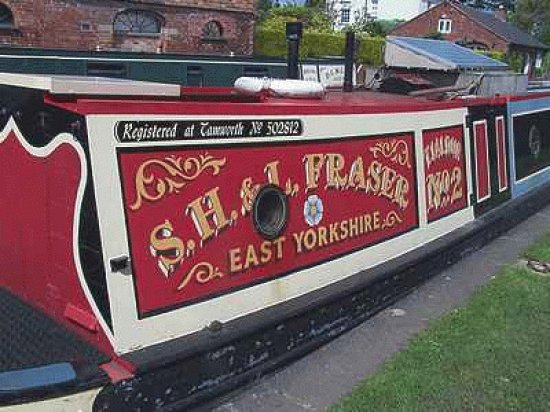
190	227
445	171
481	146
37	210
501	154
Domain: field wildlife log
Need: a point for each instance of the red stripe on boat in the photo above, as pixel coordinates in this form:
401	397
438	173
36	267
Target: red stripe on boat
501	154
481	145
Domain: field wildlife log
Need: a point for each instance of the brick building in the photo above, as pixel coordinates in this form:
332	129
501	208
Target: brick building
475	29
172	26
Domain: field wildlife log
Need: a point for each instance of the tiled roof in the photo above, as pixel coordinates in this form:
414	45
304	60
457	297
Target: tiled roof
508	31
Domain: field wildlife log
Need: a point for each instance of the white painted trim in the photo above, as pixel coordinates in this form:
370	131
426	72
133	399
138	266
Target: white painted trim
474	124
544	109
43	152
62	84
230	60
132	333
468	160
538	172
78	402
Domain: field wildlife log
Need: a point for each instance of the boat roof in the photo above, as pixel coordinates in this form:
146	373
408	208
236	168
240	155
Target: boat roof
215	103
96	95
85	85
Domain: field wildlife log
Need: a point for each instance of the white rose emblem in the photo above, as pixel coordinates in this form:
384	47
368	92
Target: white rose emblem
313	210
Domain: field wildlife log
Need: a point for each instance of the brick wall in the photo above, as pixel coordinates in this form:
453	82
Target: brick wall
88	25
463	29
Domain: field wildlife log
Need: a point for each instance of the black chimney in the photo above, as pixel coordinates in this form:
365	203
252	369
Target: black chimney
349	60
293	36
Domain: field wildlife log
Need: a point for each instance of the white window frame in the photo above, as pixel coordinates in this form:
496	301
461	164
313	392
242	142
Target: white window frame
444	26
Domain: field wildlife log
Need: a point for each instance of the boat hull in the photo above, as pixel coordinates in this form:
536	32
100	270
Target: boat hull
194	244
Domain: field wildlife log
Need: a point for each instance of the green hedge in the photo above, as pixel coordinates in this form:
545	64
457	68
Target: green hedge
272	43
493	54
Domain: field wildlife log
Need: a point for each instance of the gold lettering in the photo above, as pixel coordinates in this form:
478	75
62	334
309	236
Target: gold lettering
313	164
322	235
401	191
214	211
335	164
333	233
368	225
272	172
376	220
266	253
356	178
235	260
167	248
388	177
353	227
251	258
344	230
457	180
310	239
373	183
298	239
279	247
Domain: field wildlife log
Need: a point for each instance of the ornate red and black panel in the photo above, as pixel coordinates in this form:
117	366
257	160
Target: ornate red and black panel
203	222
445	170
490	157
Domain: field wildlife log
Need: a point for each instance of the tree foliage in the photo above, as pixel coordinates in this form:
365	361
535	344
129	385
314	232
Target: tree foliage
533	16
272	43
264	6
490	4
377	28
314	19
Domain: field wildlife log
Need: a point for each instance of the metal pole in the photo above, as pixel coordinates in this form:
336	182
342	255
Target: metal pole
293	36
349	60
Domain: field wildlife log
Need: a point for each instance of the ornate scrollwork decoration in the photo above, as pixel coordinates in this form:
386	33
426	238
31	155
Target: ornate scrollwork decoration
202	272
392	219
395	150
248	193
178	172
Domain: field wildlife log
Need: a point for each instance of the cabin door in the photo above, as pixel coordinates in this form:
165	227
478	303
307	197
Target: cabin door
490	161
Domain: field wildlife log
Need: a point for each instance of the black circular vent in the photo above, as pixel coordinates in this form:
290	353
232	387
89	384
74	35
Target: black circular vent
270	211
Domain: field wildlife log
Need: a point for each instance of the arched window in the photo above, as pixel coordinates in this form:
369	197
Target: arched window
137	22
6	17
212	31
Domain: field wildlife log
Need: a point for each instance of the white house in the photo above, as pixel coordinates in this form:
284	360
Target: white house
347	12
401	9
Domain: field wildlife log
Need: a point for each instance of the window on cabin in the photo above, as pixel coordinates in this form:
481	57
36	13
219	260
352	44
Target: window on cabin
444	26
255	71
107	69
195	76
6	17
137	22
212	30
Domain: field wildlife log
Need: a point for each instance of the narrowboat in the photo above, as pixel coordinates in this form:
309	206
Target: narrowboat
161	245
